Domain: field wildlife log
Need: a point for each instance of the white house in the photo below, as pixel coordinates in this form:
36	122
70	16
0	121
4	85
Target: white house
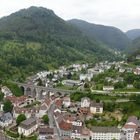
77	123
6	119
77	67
129	86
66	101
6	91
1	106
136	71
121	70
96	108
85	102
84	77
105	133
71	82
27	127
108	88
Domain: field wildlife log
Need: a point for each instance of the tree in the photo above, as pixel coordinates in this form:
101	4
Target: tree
86	85
8	107
69	75
45	119
97	100
1	96
135	98
40	83
137	85
20	118
120	85
0	81
129	78
110	106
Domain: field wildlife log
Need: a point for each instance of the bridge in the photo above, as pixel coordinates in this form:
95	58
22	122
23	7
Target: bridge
39	92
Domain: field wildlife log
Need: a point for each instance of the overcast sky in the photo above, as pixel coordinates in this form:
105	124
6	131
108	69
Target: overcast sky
124	14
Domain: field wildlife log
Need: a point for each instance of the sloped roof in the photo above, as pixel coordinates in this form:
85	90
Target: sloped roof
65	126
6	117
105	130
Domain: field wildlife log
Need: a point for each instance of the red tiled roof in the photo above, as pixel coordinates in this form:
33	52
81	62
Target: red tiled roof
85	131
19	110
65	126
58	103
130	126
15	99
69	118
48	102
84	110
132	122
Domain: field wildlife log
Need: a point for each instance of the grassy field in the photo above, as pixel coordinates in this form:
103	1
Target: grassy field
78	95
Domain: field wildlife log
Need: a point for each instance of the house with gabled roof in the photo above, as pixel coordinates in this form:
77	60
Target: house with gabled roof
96	108
6	119
27	127
85	102
65	129
105	133
44	108
17	101
29	112
130	127
45	133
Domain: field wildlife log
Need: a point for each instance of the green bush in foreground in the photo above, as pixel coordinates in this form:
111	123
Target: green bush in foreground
12	134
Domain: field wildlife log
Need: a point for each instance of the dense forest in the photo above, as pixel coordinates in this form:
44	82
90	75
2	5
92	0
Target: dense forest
36	39
111	36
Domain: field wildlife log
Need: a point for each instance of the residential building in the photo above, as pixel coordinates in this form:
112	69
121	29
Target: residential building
85	102
77	67
108	88
6	119
28	112
65	129
45	133
17	101
96	108
84	77
93	71
121	70
6	91
85	134
129	86
44	108
76	132
28	126
66	101
136	71
71	83
130	127
105	133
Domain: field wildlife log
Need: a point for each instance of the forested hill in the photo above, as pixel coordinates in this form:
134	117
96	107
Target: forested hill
133	34
35	39
134	47
111	36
